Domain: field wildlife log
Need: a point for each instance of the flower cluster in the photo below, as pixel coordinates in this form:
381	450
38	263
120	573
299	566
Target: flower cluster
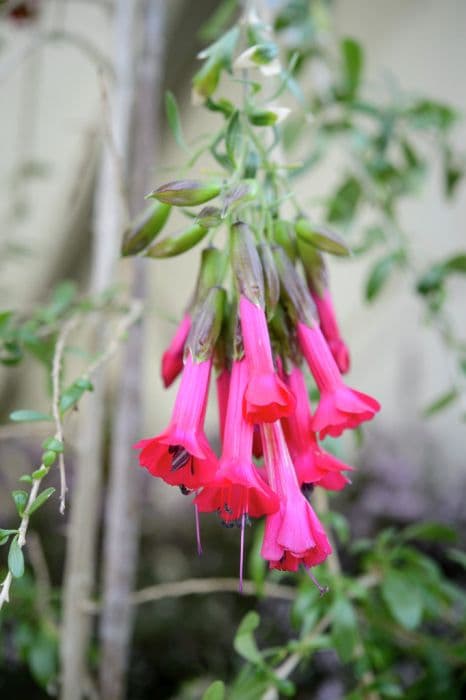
258	339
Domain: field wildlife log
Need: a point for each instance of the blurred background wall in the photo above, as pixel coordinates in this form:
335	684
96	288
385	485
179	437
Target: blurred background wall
50	126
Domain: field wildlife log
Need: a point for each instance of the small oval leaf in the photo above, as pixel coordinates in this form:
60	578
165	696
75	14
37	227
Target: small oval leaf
40	500
15	559
27	416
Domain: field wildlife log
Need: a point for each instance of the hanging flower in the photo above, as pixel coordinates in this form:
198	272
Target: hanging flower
339	406
312	464
266	398
181	455
330	329
238	488
293	535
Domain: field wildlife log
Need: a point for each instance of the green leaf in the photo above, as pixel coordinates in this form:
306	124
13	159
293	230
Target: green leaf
427	114
40	500
218	21
342	206
441	402
20	498
458	556
15	559
5	318
216	691
456	264
344	628
379	274
173	116
430	531
5	535
26	478
27	416
43	658
403	598
52	443
244	642
353	61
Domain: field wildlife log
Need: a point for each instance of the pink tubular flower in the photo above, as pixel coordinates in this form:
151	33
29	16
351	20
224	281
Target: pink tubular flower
238	488
331	331
293	535
223	386
312	465
181	454
172	359
266	398
339	407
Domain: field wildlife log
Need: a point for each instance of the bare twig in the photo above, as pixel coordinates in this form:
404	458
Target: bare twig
202	586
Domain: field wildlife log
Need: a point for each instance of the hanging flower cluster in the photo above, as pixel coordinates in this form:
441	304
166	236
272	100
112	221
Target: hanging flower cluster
258	339
260	318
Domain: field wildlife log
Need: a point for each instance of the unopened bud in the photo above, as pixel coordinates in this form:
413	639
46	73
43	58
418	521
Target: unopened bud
207	324
263	56
143	231
246	263
284	235
322	238
268	117
314	268
211	272
209	217
186	193
178	243
298	299
244	191
272	281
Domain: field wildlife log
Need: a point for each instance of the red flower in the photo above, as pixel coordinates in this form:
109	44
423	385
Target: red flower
238	488
181	454
331	331
312	465
223	386
293	534
172	359
266	398
339	407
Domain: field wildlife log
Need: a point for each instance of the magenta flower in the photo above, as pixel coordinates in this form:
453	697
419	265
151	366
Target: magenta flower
330	330
312	465
339	406
172	359
181	455
293	534
238	488
266	398
223	387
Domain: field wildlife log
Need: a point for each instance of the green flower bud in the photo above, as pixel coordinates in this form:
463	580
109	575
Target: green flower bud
245	191
143	231
246	264
186	193
322	238
211	272
178	243
284	235
209	217
272	281
314	267
299	303
268	117
207	324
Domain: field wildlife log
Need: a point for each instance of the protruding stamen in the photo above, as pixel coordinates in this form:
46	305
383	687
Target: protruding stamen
198	530
241	556
322	589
